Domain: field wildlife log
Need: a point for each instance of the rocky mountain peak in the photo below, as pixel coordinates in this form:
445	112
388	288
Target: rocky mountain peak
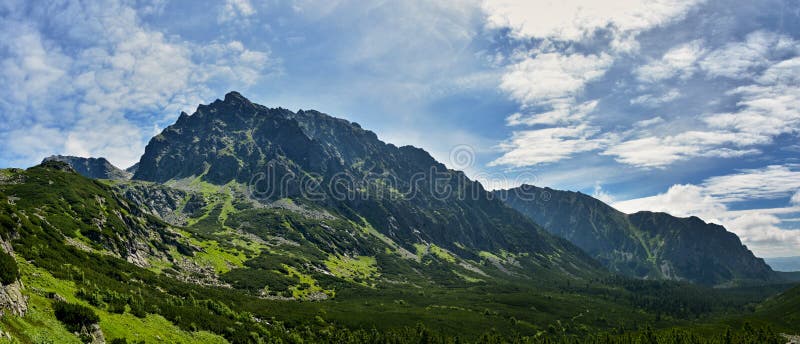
644	244
97	168
237	141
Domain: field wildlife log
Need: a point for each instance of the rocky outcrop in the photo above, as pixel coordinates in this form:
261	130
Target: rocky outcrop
12	301
402	192
92	334
97	168
160	201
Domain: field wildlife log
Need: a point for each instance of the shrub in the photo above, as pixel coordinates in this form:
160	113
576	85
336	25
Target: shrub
9	272
74	316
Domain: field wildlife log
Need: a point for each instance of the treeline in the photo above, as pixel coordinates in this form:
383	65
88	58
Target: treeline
679	300
422	335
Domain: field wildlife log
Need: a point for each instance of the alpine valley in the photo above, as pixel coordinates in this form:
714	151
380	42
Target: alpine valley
248	224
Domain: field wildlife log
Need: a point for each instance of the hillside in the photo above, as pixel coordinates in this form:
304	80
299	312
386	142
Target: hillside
216	256
318	166
642	245
146	280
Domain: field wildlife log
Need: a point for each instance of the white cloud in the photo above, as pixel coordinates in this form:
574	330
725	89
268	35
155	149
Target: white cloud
649	122
653	151
236	10
680	200
770	182
655	100
601	194
549	78
766	108
739	60
561	113
553	81
532	147
757	228
573	20
678	61
104	83
795	200
770	107
548	82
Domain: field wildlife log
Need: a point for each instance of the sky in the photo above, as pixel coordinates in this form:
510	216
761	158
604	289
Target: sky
688	107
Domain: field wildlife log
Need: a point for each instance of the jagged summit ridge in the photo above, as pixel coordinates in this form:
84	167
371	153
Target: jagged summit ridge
360	178
644	244
97	168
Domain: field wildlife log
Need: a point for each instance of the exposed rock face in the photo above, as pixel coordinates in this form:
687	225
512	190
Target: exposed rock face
11	299
115	224
644	244
159	200
92	335
97	168
698	251
132	169
235	140
592	225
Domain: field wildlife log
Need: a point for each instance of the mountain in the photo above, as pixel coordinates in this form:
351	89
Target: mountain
227	236
51	202
97	168
132	169
329	167
644	244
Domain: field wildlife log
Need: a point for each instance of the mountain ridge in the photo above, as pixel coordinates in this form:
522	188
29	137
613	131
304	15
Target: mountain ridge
236	141
643	244
97	168
207	252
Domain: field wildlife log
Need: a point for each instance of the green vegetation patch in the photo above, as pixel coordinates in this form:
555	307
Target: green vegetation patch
74	316
9	272
359	269
442	254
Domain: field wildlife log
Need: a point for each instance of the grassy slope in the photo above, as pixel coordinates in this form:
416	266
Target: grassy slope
380	289
39	325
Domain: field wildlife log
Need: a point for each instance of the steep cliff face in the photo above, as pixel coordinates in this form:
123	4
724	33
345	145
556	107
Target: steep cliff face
699	251
12	301
402	192
96	168
592	225
645	244
160	201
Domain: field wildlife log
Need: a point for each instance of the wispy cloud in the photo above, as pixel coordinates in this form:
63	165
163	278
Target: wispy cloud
548	81
233	10
655	100
677	62
574	20
740	60
99	89
771	182
532	147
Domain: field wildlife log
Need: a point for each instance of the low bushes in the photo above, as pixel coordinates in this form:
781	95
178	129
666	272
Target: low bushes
9	272
74	316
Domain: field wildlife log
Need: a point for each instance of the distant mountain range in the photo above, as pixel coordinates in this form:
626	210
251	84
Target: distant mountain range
232	145
98	168
645	244
237	213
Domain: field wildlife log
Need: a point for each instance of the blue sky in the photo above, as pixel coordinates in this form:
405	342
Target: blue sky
690	107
